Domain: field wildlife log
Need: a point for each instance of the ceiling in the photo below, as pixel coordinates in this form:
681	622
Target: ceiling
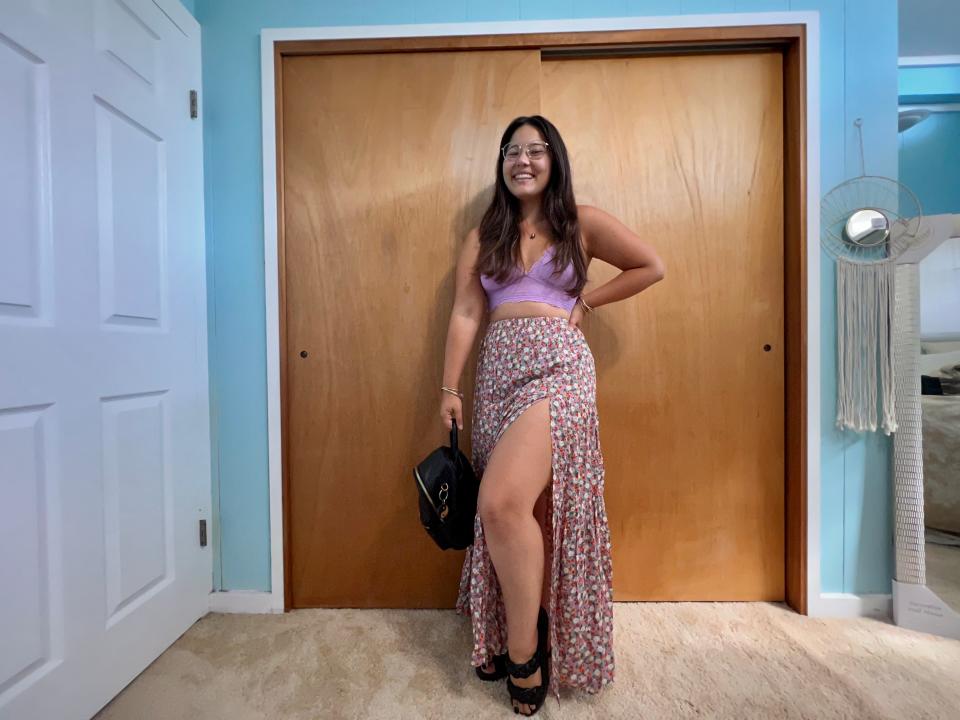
929	27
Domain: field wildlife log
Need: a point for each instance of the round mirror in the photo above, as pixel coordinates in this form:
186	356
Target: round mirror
867	228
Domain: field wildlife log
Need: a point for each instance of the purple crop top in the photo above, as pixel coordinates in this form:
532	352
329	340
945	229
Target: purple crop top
538	285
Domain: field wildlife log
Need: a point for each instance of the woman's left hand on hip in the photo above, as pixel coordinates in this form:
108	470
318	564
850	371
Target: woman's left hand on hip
576	316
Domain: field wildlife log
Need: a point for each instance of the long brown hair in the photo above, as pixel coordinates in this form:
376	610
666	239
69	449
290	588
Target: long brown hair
500	227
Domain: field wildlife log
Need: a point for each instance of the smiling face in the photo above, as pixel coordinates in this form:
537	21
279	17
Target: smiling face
526	178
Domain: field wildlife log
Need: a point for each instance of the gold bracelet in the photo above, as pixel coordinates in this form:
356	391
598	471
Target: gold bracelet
583	302
452	391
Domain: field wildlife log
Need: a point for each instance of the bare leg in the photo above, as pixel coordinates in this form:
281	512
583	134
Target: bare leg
540	514
518	470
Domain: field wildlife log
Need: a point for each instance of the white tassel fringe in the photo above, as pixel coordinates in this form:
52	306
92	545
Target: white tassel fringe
865	306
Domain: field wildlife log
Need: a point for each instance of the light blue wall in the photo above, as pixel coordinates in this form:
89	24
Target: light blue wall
858	79
190	5
939	84
868	36
930	162
930	150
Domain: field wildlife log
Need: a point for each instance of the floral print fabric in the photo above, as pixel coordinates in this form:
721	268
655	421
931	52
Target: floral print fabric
522	361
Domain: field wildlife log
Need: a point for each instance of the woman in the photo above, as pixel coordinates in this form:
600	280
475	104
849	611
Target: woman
543	618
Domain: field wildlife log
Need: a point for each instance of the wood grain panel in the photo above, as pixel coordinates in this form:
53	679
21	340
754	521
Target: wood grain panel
688	151
387	162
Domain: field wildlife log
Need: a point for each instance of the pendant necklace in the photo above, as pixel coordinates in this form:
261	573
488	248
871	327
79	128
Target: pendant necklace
532	236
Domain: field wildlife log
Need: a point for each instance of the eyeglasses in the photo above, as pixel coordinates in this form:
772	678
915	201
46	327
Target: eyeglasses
535	150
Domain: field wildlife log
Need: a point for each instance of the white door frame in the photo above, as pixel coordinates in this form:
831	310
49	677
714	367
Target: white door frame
816	605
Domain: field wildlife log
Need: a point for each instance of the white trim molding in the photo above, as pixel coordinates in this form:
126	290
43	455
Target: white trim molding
932	107
809	19
242	601
848	605
928	60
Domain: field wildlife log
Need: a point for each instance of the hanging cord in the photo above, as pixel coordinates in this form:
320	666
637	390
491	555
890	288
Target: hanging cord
859	125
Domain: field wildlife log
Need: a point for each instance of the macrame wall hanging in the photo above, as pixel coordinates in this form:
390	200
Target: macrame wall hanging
865	224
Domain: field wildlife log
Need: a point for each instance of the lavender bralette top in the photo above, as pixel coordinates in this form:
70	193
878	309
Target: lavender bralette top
538	285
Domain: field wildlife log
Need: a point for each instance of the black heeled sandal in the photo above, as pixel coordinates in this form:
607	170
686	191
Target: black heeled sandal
532	696
499	669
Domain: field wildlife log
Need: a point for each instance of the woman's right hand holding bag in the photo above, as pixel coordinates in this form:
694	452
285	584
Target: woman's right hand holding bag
451	410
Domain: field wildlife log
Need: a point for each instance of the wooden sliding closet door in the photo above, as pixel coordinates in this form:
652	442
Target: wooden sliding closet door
387	162
688	151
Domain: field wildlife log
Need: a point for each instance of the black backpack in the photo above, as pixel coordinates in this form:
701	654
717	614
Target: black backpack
447	488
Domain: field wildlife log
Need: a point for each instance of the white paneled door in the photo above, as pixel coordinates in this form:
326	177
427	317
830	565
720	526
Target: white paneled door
104	414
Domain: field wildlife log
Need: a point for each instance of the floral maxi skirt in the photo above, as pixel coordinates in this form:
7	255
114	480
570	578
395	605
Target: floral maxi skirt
522	361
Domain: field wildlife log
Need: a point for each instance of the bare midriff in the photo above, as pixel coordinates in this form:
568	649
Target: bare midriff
526	308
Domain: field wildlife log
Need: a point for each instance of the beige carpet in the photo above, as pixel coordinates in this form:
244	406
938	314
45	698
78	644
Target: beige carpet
674	660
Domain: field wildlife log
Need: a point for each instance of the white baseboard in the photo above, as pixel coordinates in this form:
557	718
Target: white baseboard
244	601
835	605
849	605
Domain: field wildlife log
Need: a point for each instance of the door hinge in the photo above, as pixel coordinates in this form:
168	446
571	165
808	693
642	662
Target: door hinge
193	104
203	533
